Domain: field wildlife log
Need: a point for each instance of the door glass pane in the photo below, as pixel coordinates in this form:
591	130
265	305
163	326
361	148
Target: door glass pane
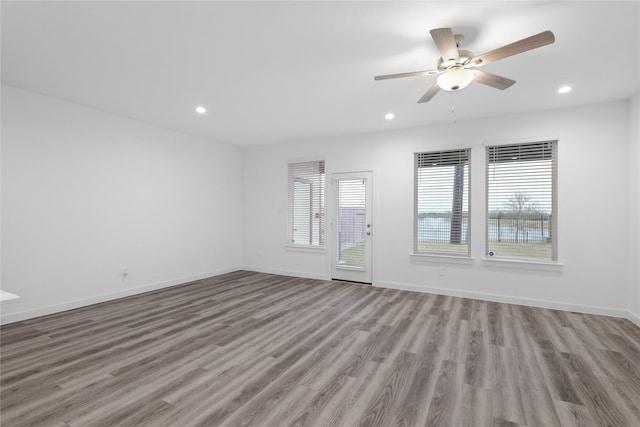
352	223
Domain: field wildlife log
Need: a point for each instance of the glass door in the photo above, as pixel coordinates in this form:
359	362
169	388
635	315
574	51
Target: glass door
352	227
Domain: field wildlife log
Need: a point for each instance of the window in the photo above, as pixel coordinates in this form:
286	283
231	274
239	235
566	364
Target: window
442	203
306	204
521	201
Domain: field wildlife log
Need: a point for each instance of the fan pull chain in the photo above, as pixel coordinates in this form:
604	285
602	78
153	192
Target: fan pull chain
453	109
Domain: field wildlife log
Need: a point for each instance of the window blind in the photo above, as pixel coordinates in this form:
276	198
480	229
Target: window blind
306	215
521	201
442	203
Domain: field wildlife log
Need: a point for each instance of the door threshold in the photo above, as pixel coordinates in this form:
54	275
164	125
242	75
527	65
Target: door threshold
351	281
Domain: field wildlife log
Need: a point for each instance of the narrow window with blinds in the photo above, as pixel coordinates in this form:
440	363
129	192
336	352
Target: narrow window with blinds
521	201
306	224
442	203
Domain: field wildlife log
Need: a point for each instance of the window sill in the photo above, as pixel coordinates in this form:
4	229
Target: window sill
442	259
305	248
522	264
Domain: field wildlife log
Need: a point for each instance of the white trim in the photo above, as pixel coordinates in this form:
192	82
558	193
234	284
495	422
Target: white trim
301	274
306	248
351	267
442	259
498	142
633	318
43	311
70	305
346	272
517	264
587	309
348	173
445	147
305	159
7	297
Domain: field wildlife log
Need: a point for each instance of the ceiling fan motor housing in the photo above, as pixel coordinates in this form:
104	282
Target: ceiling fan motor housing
465	57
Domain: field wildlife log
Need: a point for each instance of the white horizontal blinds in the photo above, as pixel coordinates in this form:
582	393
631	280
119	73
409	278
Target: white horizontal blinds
442	202
521	194
306	225
352	223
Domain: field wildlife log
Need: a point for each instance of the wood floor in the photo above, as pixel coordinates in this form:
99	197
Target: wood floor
257	349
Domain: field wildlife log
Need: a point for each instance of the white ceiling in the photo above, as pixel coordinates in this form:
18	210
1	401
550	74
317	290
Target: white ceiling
271	72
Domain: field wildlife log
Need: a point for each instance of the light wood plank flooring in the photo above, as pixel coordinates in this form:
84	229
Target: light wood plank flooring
256	349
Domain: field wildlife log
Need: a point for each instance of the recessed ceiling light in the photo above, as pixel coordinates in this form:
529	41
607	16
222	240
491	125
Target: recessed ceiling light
201	110
389	116
564	89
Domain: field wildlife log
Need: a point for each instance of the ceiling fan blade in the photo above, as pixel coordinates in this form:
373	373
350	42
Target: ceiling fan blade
410	74
433	90
446	42
492	80
538	40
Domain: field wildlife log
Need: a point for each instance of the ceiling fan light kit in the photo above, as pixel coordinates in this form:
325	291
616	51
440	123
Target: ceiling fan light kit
457	67
456	78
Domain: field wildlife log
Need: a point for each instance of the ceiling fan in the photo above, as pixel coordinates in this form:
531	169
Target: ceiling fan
458	67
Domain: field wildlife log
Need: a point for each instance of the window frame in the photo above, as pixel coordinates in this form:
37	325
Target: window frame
320	212
443	254
513	261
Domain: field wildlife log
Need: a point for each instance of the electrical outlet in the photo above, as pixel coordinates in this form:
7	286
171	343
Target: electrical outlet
124	273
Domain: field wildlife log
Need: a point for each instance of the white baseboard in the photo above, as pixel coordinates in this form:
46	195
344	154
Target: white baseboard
70	305
302	274
605	311
633	318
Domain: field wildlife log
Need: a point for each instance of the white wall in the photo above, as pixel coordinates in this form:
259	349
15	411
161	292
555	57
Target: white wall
634	211
85	193
593	238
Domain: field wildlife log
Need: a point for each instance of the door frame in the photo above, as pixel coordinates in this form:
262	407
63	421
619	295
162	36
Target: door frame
347	273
